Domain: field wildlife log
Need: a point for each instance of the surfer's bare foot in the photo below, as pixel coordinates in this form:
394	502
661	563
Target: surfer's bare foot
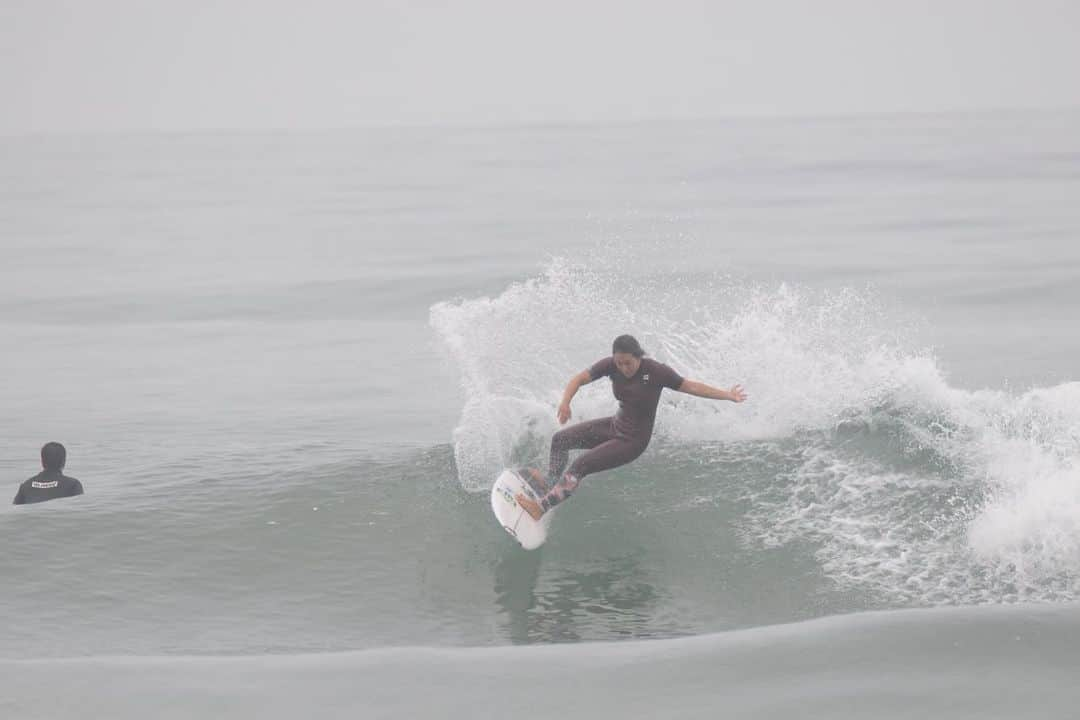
537	480
530	506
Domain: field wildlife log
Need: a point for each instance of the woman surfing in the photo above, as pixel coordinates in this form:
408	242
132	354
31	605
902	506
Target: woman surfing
637	382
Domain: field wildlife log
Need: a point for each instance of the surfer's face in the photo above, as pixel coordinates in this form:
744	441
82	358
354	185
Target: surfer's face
626	363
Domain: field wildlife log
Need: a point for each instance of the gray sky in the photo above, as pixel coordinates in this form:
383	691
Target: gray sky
89	65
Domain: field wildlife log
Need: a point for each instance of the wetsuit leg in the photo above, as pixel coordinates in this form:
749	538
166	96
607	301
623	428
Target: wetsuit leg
582	436
608	454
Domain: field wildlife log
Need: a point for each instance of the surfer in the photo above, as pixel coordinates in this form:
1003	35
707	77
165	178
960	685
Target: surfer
51	483
637	382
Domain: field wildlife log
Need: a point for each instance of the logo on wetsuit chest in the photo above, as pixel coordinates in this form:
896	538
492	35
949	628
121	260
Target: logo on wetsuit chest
645	379
44	485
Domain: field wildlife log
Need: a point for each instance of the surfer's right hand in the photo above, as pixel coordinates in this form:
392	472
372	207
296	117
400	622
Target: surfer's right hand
564	413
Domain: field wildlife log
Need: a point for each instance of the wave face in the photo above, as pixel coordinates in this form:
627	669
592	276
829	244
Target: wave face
855	460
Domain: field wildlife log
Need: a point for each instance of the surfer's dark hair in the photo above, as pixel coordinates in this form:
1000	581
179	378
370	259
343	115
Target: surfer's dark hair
627	344
53	456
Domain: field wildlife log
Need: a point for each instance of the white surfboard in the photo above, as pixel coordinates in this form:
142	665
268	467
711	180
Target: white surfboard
530	533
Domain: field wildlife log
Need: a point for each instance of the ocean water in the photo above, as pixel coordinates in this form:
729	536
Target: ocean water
287	367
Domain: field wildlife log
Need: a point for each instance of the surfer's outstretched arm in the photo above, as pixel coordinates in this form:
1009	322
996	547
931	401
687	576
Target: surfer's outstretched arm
582	378
700	389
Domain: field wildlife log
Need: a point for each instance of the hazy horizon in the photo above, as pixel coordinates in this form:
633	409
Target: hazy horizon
122	66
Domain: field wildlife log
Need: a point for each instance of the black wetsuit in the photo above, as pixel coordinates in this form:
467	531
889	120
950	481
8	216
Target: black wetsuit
49	485
611	441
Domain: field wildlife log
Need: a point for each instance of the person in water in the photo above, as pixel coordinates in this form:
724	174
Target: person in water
51	483
637	382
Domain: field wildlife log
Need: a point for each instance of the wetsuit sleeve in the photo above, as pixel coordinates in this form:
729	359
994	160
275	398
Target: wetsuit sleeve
669	378
601	368
76	488
19	499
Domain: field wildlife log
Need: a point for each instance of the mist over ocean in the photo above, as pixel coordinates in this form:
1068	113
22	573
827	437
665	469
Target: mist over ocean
287	367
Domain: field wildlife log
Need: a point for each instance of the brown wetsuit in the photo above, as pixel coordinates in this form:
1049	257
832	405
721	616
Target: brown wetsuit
611	441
